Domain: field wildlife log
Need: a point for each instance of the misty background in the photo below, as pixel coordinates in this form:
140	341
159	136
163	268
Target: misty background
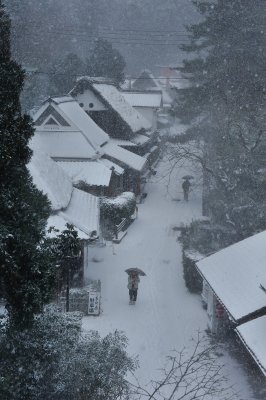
148	33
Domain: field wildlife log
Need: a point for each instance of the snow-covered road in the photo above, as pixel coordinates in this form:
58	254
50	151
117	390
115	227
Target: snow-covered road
166	316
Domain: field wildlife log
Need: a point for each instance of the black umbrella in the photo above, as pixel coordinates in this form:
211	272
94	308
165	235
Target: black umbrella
136	271
187	177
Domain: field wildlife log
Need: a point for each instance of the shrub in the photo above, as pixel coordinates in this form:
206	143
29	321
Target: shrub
199	239
192	278
54	360
116	209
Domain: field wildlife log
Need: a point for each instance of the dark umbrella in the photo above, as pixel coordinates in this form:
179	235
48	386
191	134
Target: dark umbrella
136	270
187	177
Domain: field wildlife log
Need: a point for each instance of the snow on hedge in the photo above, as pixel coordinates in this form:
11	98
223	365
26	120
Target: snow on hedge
122	200
116	209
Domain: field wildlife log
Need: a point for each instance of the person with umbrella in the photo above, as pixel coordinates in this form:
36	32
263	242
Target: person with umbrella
133	283
186	186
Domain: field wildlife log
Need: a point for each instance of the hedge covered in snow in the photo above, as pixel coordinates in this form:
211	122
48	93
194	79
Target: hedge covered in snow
122	206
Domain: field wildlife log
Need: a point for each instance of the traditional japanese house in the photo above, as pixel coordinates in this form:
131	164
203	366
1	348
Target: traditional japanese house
234	281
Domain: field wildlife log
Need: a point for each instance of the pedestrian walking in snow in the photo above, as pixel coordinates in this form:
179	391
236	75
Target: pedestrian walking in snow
133	284
186	186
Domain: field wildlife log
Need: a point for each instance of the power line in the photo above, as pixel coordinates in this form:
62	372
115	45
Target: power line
84	29
84	75
115	36
117	33
115	40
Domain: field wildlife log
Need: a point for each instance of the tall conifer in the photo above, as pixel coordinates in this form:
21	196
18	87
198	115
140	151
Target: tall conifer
25	273
225	105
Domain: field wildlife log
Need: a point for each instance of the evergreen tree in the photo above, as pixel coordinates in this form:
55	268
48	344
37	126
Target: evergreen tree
25	268
106	61
225	106
63	74
55	360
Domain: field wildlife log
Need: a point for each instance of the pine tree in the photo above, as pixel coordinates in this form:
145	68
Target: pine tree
106	61
25	269
64	72
225	106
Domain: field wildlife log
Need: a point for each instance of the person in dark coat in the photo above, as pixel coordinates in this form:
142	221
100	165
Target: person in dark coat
133	284
186	186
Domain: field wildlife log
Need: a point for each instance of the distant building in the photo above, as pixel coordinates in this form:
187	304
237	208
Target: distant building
107	106
94	162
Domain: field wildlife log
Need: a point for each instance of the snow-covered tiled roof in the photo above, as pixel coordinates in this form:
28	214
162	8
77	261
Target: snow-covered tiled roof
68	204
73	118
122	142
83	211
92	173
140	139
50	179
253	335
63	144
142	99
236	273
62	99
146	80
128	158
58	222
118	103
95	135
109	164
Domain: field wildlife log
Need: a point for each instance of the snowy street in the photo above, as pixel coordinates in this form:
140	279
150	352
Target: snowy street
166	316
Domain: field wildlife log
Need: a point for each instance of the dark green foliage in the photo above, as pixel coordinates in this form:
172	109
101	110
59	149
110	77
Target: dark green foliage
100	369
64	72
227	99
30	359
54	360
200	239
116	209
66	249
66	244
106	61
35	91
26	270
192	278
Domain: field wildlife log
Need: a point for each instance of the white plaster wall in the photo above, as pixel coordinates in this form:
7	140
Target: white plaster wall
89	97
211	312
150	114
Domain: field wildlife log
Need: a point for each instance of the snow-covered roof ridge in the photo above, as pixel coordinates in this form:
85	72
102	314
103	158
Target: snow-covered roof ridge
64	145
83	211
151	98
146	75
236	273
96	79
116	100
93	133
51	179
124	156
252	334
60	99
112	97
111	165
77	119
92	173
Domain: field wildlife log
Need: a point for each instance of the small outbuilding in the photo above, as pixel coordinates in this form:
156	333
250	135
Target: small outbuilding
234	292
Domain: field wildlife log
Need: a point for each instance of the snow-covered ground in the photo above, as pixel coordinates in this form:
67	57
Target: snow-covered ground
166	316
